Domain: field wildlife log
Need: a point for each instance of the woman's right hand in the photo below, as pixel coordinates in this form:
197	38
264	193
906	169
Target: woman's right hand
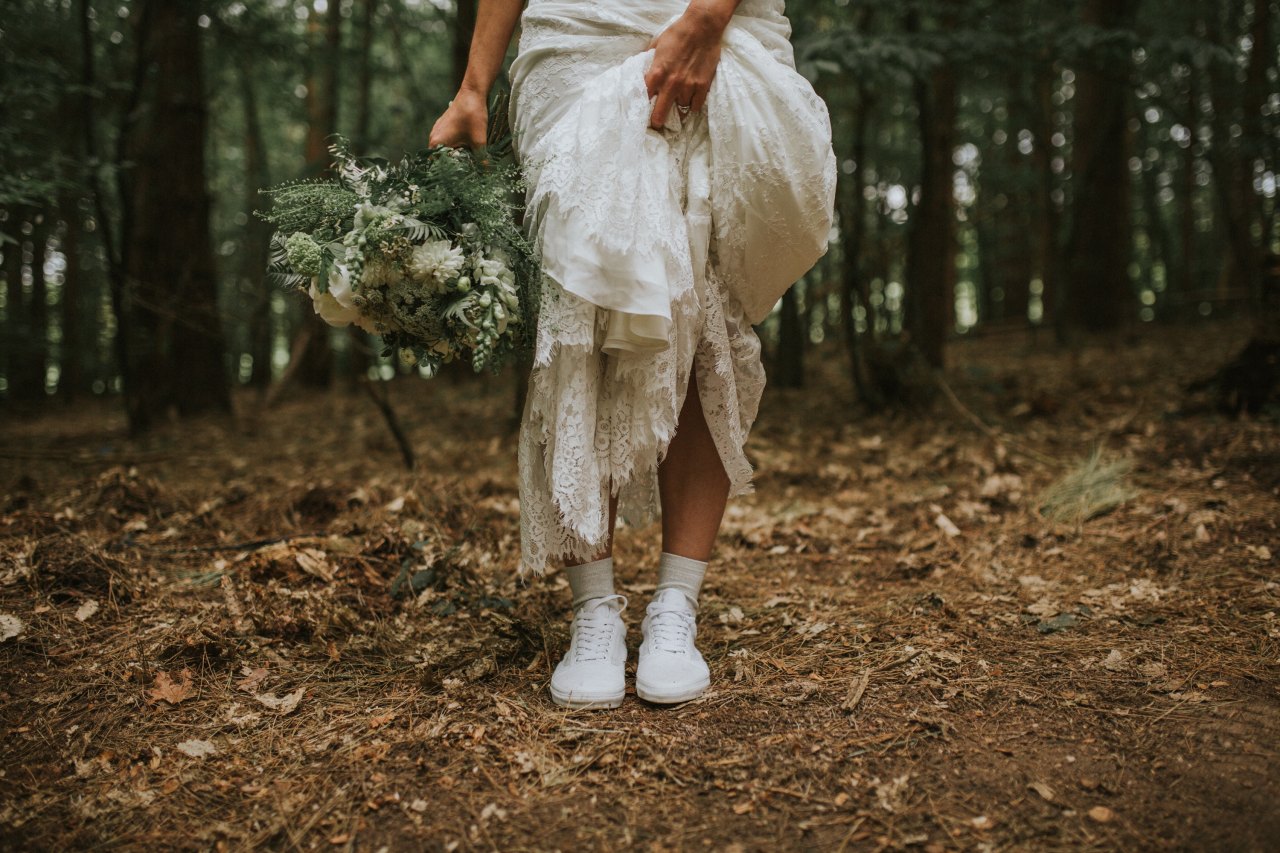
464	123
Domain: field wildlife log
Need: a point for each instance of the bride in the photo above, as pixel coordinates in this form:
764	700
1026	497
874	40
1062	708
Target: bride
680	178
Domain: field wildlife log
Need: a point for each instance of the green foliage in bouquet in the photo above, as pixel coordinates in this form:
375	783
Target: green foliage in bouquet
426	253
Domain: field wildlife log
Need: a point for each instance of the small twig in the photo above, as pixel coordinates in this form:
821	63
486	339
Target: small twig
855	693
393	423
251	545
989	431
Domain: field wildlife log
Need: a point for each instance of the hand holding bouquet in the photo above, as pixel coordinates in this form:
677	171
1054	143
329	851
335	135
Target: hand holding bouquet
426	253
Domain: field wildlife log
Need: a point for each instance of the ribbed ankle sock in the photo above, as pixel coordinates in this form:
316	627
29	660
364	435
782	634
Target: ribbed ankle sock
682	573
590	580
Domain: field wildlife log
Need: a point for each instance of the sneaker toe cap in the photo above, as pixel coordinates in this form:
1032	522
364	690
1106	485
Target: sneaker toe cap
589	680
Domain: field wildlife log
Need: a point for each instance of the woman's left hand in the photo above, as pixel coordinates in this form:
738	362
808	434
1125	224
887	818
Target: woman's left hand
684	62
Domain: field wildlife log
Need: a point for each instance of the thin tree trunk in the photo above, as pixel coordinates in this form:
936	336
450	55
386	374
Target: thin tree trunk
1048	226
316	370
257	242
15	337
463	28
855	289
71	356
38	308
1100	248
114	250
1161	245
931	253
359	347
364	76
1186	277
791	342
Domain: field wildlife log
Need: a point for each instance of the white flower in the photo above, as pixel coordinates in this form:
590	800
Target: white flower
436	262
380	274
337	306
367	213
332	311
340	286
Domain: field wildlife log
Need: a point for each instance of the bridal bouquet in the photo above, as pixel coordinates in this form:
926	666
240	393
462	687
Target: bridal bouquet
426	253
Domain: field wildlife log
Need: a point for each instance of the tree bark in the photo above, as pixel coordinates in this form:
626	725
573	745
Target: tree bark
1048	226
14	333
1101	243
316	371
855	288
170	257
71	348
257	239
791	341
463	28
931	251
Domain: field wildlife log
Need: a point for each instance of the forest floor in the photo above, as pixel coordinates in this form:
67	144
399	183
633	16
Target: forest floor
266	633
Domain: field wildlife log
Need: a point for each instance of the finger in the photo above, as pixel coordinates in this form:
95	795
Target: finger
699	99
653	79
685	95
661	108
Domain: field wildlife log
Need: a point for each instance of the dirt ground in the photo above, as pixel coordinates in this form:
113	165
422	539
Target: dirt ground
268	634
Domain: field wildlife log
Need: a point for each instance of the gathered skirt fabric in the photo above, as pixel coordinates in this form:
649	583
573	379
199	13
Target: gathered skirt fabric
659	248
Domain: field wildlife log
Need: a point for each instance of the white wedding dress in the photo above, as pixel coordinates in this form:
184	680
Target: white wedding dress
659	250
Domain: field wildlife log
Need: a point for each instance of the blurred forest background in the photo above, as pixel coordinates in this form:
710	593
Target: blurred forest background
1040	168
1010	578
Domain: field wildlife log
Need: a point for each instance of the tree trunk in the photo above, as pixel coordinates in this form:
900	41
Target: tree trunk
170	256
1186	277
1099	297
27	331
71	382
1048	225
463	28
364	76
855	288
316	370
791	342
15	360
360	346
931	251
257	239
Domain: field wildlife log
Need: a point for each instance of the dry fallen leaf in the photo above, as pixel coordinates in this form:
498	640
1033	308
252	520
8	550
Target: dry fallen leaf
168	690
946	525
1043	789
1114	661
284	704
84	611
10	627
891	796
196	748
381	720
1101	814
314	562
253	678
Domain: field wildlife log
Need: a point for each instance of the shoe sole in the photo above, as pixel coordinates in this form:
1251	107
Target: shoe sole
586	702
659	697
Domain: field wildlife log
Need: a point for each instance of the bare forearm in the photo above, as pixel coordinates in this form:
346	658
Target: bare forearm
495	22
715	12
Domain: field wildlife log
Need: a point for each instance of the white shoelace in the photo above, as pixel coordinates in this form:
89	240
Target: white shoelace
670	629
593	629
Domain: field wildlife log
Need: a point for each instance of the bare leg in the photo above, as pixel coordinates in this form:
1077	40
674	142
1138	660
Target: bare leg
692	484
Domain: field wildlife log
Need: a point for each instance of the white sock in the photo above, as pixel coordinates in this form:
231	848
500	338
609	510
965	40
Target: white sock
682	573
590	580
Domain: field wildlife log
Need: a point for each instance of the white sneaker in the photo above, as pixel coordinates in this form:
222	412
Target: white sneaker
671	669
592	673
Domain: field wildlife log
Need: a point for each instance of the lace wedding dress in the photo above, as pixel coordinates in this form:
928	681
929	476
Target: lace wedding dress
659	249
